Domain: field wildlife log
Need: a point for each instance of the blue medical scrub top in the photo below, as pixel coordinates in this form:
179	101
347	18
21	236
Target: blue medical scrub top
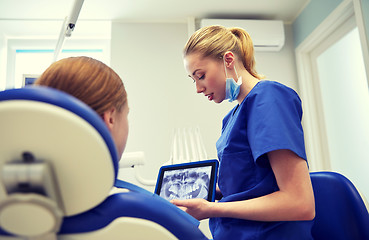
268	119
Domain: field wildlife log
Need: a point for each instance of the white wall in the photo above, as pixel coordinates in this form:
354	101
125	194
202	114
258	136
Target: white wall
280	66
161	96
148	57
3	64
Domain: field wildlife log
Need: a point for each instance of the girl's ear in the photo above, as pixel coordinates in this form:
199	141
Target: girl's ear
108	117
229	59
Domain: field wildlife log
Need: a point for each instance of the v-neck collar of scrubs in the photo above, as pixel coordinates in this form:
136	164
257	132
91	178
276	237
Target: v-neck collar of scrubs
237	107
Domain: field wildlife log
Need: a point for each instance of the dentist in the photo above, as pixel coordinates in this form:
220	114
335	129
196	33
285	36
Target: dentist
263	174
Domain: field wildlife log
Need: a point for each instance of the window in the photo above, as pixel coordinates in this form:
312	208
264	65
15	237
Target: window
31	63
26	47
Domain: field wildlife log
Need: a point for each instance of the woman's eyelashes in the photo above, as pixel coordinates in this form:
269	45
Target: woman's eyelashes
198	78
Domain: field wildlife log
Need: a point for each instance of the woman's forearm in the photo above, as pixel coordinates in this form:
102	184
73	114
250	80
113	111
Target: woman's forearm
277	206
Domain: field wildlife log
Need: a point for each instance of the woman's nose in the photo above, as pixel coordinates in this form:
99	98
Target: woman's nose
199	88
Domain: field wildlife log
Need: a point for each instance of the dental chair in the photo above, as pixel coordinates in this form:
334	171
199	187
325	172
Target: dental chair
58	165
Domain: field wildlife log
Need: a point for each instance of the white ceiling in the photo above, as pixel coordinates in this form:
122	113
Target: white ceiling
153	10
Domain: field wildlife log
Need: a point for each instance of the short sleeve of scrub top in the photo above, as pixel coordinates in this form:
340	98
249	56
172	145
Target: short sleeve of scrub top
274	121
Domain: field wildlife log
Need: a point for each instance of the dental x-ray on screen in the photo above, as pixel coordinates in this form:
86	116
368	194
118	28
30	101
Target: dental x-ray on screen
188	180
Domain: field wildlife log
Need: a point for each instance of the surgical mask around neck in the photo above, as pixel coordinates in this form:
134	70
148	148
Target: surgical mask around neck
232	87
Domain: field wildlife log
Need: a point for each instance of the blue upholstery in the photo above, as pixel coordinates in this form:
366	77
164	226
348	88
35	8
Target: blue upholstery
136	203
340	212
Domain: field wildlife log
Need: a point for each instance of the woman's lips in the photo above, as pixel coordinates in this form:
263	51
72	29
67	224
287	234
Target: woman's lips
210	97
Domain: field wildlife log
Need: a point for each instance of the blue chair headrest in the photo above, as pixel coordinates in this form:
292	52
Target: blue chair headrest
60	129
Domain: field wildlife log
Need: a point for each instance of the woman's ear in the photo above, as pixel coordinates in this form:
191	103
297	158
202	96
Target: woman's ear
109	118
229	59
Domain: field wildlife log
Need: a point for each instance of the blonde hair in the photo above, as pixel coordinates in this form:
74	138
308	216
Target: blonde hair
87	79
215	41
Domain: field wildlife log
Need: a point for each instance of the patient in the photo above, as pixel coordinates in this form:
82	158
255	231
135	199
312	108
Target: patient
97	85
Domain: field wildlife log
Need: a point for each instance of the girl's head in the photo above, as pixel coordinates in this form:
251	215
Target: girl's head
97	85
87	79
215	41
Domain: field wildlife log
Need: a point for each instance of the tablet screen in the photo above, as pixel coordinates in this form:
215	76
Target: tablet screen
188	180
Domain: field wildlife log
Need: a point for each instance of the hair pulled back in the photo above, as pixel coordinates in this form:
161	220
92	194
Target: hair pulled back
215	41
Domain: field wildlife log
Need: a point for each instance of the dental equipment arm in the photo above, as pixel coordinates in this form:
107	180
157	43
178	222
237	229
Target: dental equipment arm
68	27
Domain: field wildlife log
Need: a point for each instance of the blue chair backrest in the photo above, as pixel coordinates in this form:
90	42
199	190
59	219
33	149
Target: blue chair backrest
340	211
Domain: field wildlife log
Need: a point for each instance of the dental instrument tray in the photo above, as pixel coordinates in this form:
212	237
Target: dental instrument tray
188	180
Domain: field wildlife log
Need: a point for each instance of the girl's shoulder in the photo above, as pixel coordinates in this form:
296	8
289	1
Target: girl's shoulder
271	89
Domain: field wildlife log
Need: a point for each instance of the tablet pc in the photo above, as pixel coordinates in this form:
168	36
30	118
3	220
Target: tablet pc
188	180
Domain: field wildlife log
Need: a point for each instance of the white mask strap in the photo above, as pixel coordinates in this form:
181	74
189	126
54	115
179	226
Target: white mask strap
225	69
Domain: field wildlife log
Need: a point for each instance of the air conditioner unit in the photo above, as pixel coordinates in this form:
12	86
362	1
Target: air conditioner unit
267	35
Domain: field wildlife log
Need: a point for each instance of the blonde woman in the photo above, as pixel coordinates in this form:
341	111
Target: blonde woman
263	175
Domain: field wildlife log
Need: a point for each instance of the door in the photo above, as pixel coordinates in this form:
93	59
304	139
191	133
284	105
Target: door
339	75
